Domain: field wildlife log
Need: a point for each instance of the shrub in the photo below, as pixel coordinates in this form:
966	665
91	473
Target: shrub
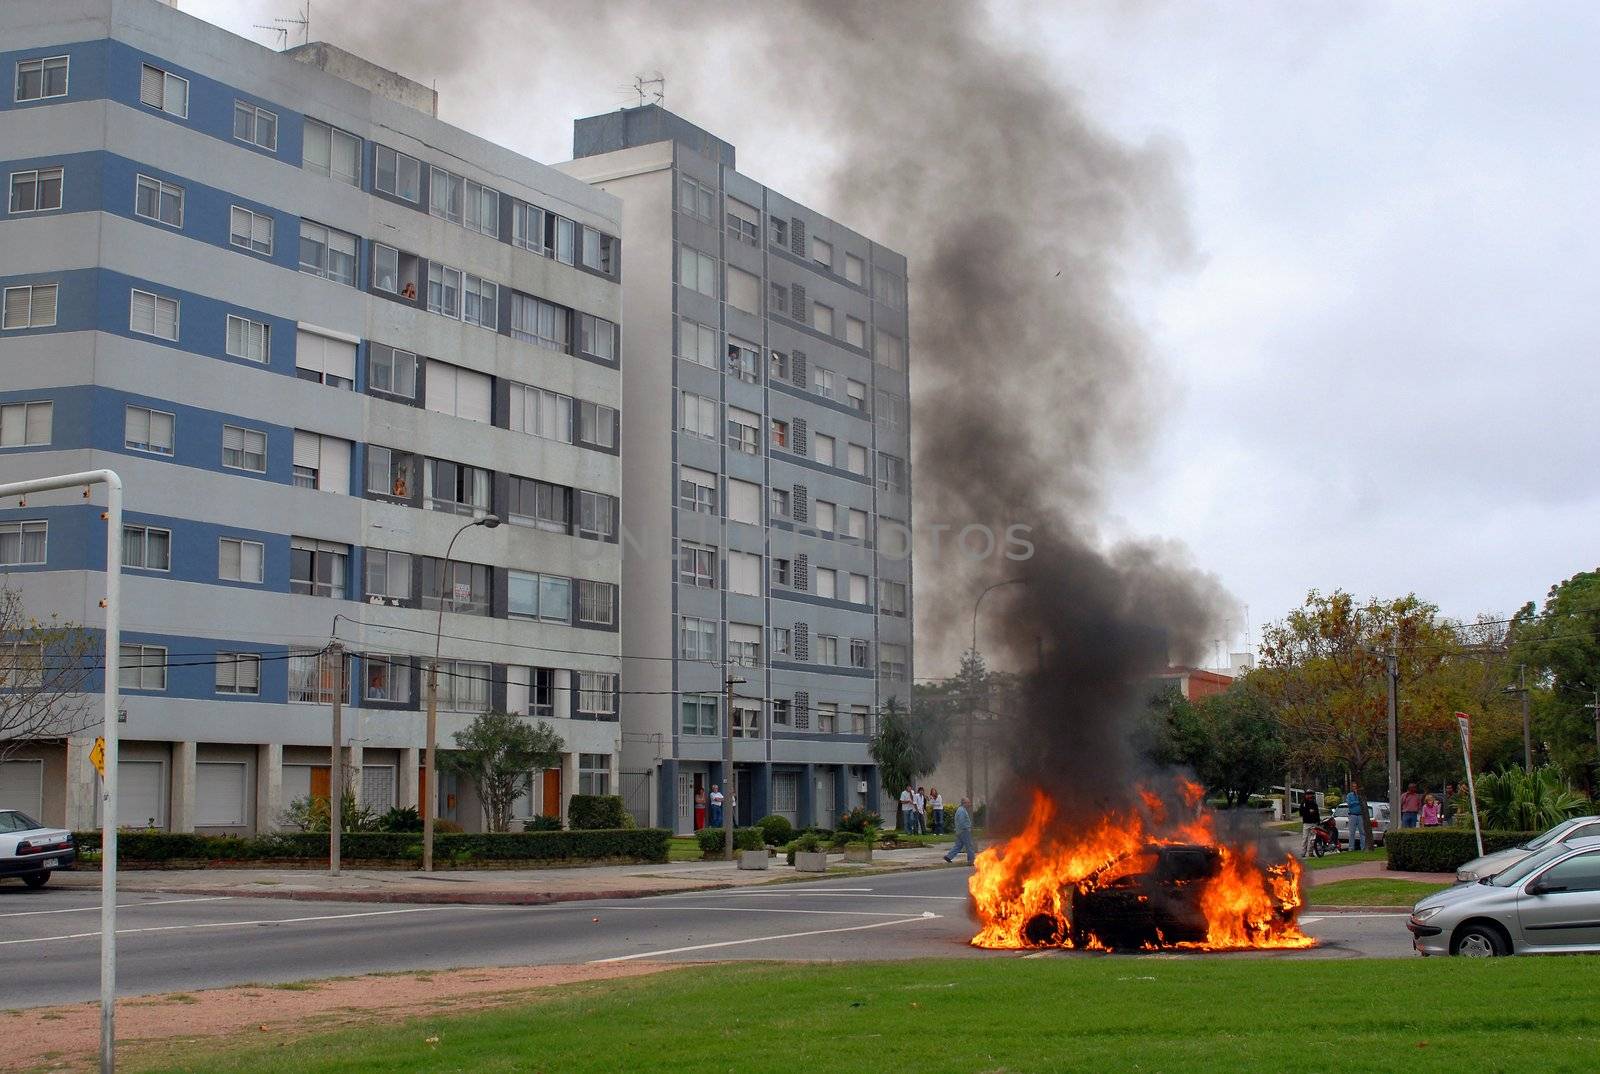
710	840
542	823
443	826
808	843
1513	799
586	811
776	830
749	839
1443	850
841	840
859	819
635	844
401	819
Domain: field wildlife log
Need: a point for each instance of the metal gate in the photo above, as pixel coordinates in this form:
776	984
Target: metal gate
636	796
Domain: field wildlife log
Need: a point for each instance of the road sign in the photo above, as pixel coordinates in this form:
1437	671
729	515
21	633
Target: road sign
97	757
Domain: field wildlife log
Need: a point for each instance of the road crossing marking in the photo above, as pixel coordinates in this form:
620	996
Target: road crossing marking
751	910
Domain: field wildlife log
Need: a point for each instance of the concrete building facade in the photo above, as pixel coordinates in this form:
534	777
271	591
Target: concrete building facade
766	454
317	331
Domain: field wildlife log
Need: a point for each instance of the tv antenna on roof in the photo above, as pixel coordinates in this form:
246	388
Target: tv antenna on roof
650	90
301	18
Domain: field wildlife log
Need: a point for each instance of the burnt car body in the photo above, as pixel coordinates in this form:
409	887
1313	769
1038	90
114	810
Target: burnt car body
1150	898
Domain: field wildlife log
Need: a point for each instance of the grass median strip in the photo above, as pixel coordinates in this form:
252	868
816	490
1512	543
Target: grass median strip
1343	858
1371	891
1219	1015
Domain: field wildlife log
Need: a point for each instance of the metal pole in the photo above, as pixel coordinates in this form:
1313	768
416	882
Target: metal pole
1527	728
108	808
972	700
1394	729
727	765
335	652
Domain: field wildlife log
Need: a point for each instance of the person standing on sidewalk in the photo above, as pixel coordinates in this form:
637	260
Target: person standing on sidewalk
963	833
1356	813
1310	817
716	806
919	804
906	806
936	804
1410	807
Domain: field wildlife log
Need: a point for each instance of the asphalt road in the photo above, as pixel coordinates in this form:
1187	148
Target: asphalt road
50	940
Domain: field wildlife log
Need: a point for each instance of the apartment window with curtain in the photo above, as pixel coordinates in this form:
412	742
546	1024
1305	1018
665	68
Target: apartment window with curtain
397	174
697	714
244	449
597	694
388	574
697	638
256	125
597	336
327	252
465	586
455	487
597	516
247	339
313	680
464	686
697	565
147	548
596	603
545	597
536	321
318	568
597	424
23	544
697	271
332	152
541	413
239	560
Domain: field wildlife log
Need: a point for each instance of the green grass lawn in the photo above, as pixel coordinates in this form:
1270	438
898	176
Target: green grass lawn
1348	857
1370	891
683	848
1226	1015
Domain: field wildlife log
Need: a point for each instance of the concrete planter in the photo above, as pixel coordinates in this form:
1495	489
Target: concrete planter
857	853
810	861
754	859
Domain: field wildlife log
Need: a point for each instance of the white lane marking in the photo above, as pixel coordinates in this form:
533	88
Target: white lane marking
831	894
120	906
1312	920
763	939
734	893
752	910
242	924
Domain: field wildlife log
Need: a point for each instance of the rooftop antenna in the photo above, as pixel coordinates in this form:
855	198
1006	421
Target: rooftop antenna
650	90
301	18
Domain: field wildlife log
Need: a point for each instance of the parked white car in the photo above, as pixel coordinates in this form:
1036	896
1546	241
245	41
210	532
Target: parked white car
1380	822
30	851
1490	864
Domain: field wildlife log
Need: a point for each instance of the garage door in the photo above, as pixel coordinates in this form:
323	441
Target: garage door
141	794
219	794
377	787
22	787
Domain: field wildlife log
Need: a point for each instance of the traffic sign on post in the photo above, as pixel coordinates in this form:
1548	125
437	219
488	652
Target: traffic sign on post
97	756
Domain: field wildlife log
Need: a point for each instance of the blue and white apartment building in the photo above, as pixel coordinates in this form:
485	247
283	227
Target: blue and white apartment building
316	331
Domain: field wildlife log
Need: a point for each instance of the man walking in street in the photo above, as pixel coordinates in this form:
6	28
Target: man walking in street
963	833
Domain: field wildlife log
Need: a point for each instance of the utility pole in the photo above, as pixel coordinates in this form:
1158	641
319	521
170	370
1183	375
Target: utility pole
1596	708
335	653
1392	664
1527	727
430	793
727	763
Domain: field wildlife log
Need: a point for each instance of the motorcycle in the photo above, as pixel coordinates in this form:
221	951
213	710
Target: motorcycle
1324	839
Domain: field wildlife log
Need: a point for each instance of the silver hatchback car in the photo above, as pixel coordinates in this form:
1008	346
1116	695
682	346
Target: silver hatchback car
1547	903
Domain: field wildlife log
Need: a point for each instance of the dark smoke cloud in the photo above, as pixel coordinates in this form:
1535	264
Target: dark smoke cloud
1021	218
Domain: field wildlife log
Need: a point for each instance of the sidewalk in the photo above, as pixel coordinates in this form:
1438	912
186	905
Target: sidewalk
524	887
1367	870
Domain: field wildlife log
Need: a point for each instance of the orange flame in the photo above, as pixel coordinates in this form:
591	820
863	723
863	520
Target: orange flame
1023	888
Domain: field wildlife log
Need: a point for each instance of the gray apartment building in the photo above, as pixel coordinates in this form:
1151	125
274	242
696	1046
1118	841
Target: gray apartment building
765	468
319	333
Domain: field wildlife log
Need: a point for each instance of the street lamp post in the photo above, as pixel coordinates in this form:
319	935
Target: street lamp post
972	702
1521	688
429	763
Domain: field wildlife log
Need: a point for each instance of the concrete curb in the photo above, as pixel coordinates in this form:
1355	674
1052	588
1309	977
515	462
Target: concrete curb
1314	909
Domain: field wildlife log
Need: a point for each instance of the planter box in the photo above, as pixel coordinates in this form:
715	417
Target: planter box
857	854
754	859
810	862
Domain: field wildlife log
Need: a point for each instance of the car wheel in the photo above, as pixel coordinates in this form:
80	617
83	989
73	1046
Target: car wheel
1480	941
36	880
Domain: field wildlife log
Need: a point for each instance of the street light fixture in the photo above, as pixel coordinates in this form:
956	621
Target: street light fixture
972	702
429	765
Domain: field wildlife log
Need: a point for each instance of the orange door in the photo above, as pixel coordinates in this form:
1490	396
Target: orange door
321	781
552	792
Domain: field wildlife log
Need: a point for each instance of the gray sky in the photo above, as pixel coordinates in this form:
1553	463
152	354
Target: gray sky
1380	364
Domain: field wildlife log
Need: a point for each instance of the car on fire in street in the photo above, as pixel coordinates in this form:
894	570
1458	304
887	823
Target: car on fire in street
1547	903
1490	864
30	851
1145	899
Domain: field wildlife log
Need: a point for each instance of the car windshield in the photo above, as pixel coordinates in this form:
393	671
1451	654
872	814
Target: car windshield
1542	841
14	820
1519	872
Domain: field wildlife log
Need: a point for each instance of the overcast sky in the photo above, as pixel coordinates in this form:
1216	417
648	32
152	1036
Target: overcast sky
1381	362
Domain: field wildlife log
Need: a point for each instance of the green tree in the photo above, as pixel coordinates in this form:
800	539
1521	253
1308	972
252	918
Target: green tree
45	667
1229	740
1561	649
495	754
905	747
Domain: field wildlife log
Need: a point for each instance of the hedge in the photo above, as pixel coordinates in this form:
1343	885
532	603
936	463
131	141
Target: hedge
712	840
1443	850
591	811
634	844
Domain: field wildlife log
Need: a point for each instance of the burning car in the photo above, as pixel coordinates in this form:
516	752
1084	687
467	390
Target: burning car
1147	899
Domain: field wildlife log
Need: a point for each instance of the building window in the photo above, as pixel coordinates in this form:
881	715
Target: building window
696	199
388	574
481	211
397	174
480	302
321	462
889	351
856	459
825	382
594	773
697	271
164	90
244	449
780	230
827	650
255	125
697	565
323	359
540	504
822	318
822	252
22	544
36	191
313	680
39	79
147	548
541	413
147	430
697	490
545	597
744	361
744	431
697	343
827	717
827	517
597	694
153	315
388	678
743	221
860	718
782	571
597	425
859	585
744	291
598	251
890	409
697	638
856	524
26	424
250	231
780	433
318	568
247	339
746	718
855	332
238	673
827	583
743	501
464	686
782	641
240	560
855	270
892	473
144	667
892	598
597	516
698	714
744	644
542	692
451	486
697	415
860	653
536	321
781	712
744	573
528	227
332	152
781	499
30	306
391	371
595	601
464	586
892	661
157	200
597	336
327	252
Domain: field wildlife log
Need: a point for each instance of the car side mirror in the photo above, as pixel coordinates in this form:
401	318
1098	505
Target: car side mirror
1539	887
